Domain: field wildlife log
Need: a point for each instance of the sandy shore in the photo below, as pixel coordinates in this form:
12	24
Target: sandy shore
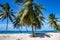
47	36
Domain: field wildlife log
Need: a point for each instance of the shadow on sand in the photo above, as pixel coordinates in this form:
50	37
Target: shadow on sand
42	35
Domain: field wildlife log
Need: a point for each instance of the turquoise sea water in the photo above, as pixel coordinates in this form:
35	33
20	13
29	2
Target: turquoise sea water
16	32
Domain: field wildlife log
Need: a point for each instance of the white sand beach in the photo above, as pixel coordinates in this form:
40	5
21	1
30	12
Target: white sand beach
26	36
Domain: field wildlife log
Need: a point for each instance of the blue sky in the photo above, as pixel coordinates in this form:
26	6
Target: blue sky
52	6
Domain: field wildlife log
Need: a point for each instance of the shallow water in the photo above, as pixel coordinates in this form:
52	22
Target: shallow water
13	32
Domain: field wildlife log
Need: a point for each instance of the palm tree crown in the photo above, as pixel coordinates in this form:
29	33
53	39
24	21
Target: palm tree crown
53	20
6	12
30	14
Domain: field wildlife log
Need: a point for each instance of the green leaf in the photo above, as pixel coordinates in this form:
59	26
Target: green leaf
0	10
24	14
10	17
20	12
2	15
1	5
3	18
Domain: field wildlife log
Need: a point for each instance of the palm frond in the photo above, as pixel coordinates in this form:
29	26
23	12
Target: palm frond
1	10
39	6
20	13
3	18
10	17
1	5
6	7
53	21
29	16
24	14
19	2
27	2
2	15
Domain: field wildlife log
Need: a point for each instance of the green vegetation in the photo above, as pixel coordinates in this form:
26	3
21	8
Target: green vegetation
6	13
53	21
30	15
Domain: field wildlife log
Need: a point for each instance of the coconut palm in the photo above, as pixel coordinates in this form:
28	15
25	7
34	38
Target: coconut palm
30	14
53	20
58	27
6	13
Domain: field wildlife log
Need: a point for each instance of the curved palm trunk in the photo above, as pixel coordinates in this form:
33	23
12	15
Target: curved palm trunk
33	31
7	25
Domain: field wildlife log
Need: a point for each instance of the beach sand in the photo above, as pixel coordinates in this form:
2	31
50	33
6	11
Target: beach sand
26	36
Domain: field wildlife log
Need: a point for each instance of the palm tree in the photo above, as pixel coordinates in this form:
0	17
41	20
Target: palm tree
53	20
6	13
31	14
58	27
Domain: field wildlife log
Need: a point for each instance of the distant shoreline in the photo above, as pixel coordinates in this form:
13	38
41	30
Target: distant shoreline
14	32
